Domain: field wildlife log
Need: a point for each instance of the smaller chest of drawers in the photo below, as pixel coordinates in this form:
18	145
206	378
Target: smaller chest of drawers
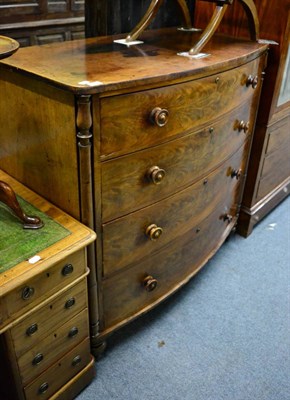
44	324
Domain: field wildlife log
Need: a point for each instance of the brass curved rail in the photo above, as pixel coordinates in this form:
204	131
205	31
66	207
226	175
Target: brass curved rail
150	14
248	5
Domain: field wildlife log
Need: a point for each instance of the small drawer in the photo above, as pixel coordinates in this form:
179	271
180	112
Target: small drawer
129	183
136	121
132	237
50	348
46	319
45	283
56	376
152	279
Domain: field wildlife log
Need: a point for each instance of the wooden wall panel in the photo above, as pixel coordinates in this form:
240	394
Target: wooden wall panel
33	22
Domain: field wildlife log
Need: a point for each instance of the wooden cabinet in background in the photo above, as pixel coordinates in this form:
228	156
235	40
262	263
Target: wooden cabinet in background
146	146
42	21
268	180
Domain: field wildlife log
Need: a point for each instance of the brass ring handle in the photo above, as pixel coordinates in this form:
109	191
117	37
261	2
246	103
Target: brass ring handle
156	174
159	116
37	359
252	81
236	173
77	360
244	126
31	329
27	292
43	388
150	283
154	232
67	269
70	303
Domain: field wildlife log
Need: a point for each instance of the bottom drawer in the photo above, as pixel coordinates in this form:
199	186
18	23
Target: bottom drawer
132	291
60	373
52	347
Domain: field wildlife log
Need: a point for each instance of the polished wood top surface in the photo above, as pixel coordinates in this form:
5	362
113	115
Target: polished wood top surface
98	64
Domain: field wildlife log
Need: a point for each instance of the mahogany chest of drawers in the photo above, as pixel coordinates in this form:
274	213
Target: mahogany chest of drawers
44	323
146	146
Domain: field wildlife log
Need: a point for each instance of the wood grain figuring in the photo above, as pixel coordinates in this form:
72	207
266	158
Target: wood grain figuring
36	141
189	105
114	67
125	241
125	184
125	295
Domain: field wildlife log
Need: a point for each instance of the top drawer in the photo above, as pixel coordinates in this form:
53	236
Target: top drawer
135	121
42	285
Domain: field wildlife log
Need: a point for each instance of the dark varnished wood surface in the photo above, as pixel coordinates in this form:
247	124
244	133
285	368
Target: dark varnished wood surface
125	187
190	105
124	294
114	66
125	240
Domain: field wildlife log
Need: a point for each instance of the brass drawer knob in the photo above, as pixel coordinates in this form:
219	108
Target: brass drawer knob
236	173
31	330
43	388
76	361
244	126
156	174
27	292
73	332
67	269
149	283
252	81
154	232
70	302
37	359
159	116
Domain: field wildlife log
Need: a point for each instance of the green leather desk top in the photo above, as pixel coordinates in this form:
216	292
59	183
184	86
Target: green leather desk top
18	244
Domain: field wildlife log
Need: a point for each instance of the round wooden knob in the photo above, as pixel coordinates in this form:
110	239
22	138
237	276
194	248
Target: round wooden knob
228	218
154	232
244	126
159	116
149	283
236	173
156	174
252	81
